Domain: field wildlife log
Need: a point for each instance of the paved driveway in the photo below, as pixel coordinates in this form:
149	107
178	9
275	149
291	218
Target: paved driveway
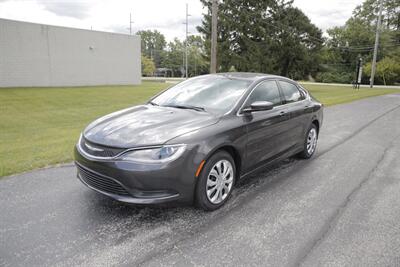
340	208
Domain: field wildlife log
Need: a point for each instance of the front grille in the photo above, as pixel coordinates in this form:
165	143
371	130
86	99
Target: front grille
99	150
101	183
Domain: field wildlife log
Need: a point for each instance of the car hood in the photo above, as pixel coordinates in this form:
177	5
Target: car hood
145	125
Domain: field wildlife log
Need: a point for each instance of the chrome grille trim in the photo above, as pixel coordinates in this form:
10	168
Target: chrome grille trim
123	150
100	151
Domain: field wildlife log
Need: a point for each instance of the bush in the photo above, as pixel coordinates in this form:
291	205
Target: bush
148	66
334	77
387	71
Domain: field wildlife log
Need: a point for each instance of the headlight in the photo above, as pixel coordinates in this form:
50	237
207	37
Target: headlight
154	155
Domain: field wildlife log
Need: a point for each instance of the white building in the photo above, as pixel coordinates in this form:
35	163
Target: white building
42	55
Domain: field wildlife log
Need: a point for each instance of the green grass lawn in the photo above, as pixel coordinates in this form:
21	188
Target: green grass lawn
332	95
39	126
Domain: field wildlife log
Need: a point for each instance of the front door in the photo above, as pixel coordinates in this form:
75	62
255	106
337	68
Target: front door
266	130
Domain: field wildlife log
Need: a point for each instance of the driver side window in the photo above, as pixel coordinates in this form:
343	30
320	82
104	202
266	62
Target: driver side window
265	91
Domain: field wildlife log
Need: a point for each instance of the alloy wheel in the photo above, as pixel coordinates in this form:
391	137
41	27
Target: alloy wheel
219	181
311	141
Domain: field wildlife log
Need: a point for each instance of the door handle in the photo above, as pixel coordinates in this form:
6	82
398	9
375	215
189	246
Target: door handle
282	113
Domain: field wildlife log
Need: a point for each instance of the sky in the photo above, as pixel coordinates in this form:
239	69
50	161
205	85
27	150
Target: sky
167	16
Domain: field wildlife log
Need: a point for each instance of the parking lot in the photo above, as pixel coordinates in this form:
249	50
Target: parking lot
342	207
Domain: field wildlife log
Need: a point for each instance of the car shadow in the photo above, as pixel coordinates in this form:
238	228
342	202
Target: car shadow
120	224
152	213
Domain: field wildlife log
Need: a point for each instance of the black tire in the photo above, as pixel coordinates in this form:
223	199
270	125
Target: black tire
201	198
305	154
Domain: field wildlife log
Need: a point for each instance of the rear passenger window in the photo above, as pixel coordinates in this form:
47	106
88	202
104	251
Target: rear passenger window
290	92
265	91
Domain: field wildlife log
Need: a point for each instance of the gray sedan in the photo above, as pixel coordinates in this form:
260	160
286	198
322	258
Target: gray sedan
193	141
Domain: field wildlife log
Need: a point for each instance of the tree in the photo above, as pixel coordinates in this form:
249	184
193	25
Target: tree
368	12
356	38
175	53
197	62
174	57
297	43
263	36
388	69
153	45
148	66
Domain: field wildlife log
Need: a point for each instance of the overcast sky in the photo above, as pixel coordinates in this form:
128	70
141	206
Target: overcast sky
167	16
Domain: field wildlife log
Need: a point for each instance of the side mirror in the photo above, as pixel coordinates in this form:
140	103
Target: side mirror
259	106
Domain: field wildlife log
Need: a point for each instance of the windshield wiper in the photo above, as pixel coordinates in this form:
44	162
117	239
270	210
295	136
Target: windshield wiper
186	107
152	103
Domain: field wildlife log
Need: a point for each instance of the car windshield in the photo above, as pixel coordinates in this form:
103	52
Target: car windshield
215	94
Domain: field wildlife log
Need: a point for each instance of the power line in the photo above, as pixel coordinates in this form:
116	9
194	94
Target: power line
359	48
366	49
337	64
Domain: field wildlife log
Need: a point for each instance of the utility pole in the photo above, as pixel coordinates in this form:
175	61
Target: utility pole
130	23
378	29
186	41
214	11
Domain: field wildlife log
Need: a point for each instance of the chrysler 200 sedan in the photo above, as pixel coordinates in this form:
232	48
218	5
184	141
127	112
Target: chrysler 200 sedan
193	141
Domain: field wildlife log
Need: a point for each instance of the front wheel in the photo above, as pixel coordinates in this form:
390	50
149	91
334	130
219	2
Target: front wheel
310	142
216	181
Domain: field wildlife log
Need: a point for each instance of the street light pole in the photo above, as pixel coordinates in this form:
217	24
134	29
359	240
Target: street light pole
378	29
214	11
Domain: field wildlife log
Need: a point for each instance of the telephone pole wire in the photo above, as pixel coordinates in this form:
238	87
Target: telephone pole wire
378	29
214	11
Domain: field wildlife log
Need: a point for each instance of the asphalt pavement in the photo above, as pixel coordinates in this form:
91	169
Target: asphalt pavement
340	208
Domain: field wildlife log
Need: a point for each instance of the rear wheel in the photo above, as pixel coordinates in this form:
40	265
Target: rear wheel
216	181
310	142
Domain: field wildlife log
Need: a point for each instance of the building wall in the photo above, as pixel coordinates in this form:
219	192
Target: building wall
42	55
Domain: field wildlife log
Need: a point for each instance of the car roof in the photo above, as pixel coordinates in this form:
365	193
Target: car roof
249	76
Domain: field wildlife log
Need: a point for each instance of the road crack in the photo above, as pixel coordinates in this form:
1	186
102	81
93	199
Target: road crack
333	220
358	131
214	219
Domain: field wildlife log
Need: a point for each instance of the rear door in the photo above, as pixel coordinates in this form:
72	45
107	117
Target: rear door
297	106
266	130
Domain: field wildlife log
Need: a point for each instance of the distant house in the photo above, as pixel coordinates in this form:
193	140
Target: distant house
42	55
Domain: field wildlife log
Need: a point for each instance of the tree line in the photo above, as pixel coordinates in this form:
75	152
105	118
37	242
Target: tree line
169	57
273	36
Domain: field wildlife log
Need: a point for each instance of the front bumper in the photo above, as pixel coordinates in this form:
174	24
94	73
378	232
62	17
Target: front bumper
140	183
